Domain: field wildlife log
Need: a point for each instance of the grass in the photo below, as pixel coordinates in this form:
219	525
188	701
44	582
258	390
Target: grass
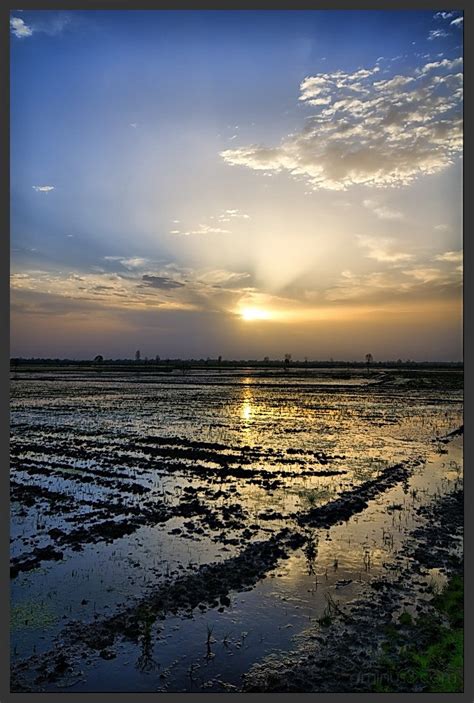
426	654
314	496
31	614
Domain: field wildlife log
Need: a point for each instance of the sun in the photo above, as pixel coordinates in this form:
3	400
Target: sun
251	314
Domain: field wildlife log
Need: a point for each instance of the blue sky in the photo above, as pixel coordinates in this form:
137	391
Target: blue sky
207	171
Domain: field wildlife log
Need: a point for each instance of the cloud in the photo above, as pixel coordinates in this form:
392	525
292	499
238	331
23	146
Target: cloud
381	211
381	287
204	229
457	22
19	28
132	263
229	215
437	34
161	282
220	278
452	256
43	189
443	15
382	249
425	274
168	288
441	228
365	131
51	23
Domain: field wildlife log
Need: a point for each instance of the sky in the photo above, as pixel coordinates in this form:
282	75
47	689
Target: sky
236	183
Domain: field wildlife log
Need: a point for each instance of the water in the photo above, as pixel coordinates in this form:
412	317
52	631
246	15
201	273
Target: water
226	458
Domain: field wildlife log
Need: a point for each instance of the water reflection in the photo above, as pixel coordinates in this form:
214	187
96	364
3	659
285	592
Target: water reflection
247	407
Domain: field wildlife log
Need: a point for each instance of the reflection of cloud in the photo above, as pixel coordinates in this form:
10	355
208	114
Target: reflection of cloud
382	249
368	131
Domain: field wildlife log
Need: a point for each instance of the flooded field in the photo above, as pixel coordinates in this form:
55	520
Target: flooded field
171	532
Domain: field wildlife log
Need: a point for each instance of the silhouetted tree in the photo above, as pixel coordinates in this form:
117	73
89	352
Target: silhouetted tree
287	361
98	359
368	360
137	355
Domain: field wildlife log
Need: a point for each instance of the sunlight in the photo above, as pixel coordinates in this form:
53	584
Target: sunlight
250	314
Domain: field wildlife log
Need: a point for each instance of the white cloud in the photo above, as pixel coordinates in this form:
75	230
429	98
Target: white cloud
43	189
206	229
225	216
443	15
386	286
229	215
133	263
452	256
382	249
19	28
457	22
437	34
49	23
381	211
425	274
365	131
442	228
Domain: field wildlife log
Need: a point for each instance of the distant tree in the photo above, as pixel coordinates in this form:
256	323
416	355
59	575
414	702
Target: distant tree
157	358
287	361
368	360
98	359
219	360
137	355
266	359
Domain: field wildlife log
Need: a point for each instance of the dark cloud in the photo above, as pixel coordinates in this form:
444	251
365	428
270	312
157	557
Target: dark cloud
161	282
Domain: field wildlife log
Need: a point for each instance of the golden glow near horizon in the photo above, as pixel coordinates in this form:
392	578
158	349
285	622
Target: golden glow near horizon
251	314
